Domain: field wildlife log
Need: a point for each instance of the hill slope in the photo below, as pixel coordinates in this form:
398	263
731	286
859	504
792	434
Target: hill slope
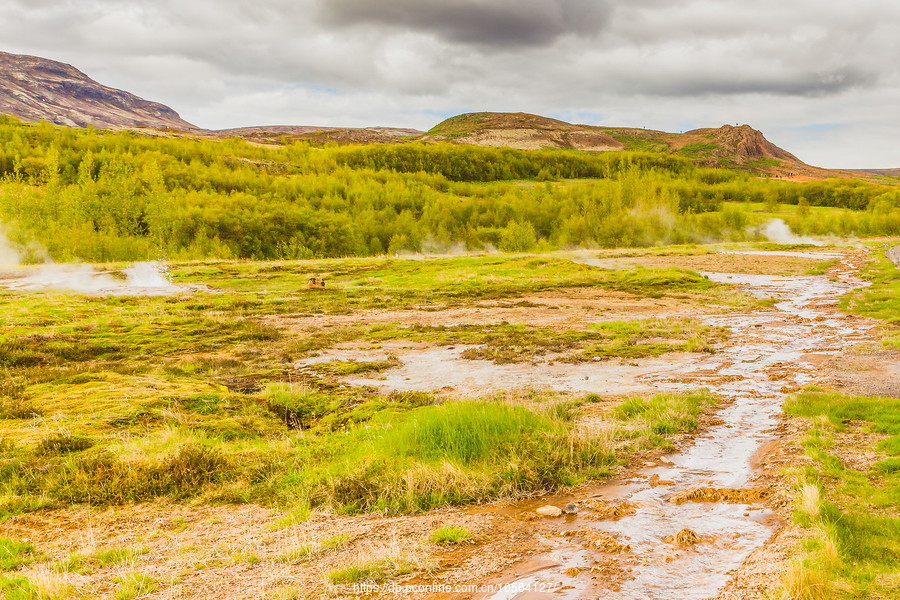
36	89
726	146
340	135
522	131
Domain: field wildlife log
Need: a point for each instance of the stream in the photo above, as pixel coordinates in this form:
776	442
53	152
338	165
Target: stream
769	353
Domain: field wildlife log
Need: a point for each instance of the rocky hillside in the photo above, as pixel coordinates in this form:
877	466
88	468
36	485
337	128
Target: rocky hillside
36	89
727	146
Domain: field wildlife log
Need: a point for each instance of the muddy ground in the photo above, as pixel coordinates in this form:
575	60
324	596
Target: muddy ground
200	551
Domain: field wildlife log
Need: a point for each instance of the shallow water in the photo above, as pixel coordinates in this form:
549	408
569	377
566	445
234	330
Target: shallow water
442	368
769	356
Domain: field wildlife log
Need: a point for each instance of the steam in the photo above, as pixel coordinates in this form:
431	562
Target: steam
9	254
140	279
778	231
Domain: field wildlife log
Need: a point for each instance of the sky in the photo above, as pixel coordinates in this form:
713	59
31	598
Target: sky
820	79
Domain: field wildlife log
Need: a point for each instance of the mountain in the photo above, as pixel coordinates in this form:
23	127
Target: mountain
877	172
727	146
340	135
36	89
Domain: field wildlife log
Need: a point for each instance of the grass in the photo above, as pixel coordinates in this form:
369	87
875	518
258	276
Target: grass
450	536
647	422
881	300
135	585
853	530
304	552
15	553
83	564
109	400
504	343
375	570
447	454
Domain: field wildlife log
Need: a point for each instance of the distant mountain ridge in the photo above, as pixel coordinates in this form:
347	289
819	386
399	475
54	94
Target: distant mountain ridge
36	89
39	89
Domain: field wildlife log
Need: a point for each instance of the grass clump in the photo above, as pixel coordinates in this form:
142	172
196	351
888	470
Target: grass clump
84	564
303	552
853	545
375	571
449	454
343	368
15	553
63	443
450	536
135	585
104	479
649	420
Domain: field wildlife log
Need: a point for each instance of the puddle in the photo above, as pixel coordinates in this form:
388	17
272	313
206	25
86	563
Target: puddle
440	368
788	253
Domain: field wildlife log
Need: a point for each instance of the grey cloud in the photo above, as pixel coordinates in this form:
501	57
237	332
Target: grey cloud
666	64
500	23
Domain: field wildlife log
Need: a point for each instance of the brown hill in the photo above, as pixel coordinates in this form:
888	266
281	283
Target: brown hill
728	146
340	135
523	131
36	89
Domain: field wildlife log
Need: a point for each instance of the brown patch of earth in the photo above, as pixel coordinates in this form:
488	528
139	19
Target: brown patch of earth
573	308
235	552
865	373
752	264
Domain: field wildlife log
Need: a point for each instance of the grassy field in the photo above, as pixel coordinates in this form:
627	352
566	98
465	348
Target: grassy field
847	501
111	400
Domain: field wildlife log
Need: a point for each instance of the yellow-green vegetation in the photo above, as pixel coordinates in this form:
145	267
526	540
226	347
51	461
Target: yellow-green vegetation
648	421
84	563
450	536
111	400
15	553
303	552
881	300
15	587
507	343
376	570
848	509
103	196
135	585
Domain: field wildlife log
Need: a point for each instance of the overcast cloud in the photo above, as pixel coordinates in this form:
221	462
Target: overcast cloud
820	79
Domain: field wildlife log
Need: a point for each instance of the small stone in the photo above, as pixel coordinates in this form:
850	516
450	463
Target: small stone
549	511
570	509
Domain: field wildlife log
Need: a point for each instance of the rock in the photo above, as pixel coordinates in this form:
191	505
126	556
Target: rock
570	508
685	537
549	511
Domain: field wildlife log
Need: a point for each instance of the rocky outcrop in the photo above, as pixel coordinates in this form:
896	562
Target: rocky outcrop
38	89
